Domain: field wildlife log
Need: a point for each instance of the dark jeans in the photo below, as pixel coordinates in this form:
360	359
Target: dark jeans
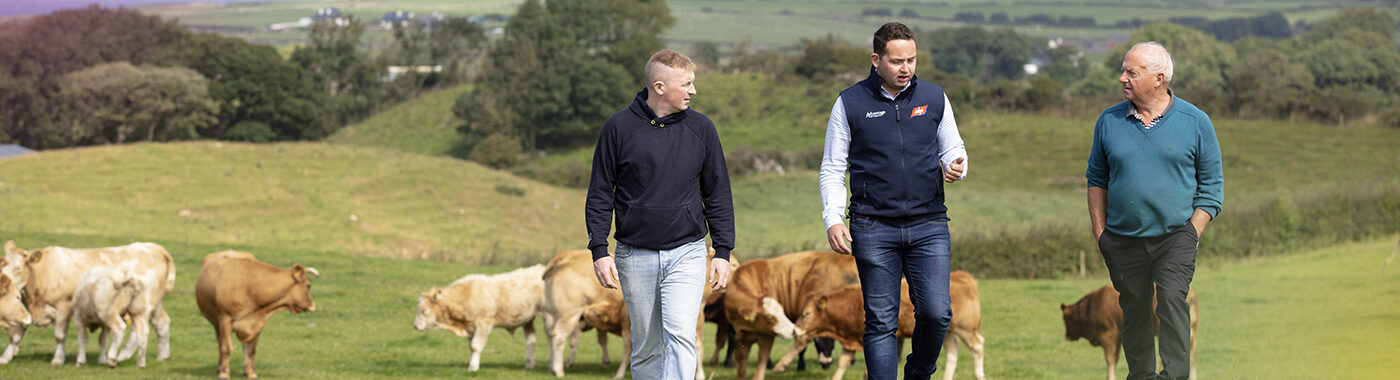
1135	265
885	253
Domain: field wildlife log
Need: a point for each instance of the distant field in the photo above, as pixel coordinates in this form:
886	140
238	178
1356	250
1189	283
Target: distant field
423	125
783	22
1330	306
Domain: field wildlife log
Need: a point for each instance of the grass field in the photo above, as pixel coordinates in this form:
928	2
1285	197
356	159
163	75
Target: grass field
361	201
424	125
781	22
1323	314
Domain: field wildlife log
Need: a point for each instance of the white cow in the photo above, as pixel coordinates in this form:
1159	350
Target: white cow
105	295
475	304
51	276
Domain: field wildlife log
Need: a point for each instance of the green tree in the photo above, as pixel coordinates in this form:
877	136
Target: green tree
340	70
1266	81
120	101
1200	61
981	54
1373	20
824	59
560	70
36	53
252	83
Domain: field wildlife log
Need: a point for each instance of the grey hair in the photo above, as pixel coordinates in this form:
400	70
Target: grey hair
1157	59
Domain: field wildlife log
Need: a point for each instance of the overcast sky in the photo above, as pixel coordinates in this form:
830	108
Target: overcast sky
21	7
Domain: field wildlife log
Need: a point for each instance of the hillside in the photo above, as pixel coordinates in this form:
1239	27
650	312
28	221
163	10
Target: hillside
423	125
363	201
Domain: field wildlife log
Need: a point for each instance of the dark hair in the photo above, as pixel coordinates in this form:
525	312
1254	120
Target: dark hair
889	32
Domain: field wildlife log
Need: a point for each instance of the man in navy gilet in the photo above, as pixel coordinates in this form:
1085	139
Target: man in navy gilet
897	136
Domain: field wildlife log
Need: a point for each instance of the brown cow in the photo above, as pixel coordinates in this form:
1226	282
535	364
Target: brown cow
841	315
765	295
237	294
476	304
1098	319
51	275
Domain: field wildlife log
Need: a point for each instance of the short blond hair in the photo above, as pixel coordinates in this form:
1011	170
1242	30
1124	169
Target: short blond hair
665	58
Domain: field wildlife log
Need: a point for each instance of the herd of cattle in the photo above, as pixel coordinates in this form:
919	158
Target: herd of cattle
809	297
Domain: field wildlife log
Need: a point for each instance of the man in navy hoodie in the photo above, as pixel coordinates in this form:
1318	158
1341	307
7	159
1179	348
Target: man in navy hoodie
897	136
660	169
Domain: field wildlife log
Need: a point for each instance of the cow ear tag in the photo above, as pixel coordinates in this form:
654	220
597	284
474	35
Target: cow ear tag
821	305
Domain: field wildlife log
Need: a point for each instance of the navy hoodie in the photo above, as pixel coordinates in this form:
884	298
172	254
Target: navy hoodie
665	178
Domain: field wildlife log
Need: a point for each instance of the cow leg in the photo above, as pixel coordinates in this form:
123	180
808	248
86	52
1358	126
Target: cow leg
950	345
16	333
743	340
626	350
699	347
721	337
60	335
161	321
1110	355
250	349
843	363
603	344
765	349
117	328
478	343
223	332
530	344
103	342
136	343
975	344
824	351
573	346
564	329
80	357
798	345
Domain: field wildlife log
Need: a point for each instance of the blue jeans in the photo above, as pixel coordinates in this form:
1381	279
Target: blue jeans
662	290
917	251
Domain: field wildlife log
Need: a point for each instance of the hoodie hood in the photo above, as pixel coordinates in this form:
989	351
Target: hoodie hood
640	108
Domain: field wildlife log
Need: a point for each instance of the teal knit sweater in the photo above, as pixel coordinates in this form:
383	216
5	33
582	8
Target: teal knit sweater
1156	177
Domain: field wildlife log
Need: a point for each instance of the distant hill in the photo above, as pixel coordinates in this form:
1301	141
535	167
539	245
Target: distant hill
424	125
308	196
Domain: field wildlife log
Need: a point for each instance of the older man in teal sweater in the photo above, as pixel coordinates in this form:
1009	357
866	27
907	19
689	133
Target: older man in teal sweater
1154	181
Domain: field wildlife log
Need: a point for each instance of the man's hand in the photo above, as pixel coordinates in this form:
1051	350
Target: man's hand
719	273
606	272
954	171
839	237
1199	219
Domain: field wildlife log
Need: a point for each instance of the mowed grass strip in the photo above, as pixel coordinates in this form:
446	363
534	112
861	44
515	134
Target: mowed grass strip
1319	314
363	201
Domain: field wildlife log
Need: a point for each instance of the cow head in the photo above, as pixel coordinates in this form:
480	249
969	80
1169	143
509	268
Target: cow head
433	314
605	316
814	318
299	296
12	311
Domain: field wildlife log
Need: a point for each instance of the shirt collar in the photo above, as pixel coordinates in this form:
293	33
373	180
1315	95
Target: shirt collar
887	94
1133	113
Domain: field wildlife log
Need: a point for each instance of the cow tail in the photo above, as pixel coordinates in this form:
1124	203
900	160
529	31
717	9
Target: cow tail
169	273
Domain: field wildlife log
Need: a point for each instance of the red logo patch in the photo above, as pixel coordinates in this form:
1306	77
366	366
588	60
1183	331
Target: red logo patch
920	110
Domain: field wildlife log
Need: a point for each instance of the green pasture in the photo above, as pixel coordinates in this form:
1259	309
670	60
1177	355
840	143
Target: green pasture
782	22
424	125
336	198
1328	313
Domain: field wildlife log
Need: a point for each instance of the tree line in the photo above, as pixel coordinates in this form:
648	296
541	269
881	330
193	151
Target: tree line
109	76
